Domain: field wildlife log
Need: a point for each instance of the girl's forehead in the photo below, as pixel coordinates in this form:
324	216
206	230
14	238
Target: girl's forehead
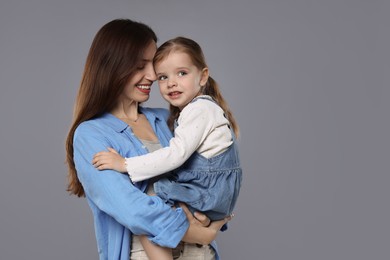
175	56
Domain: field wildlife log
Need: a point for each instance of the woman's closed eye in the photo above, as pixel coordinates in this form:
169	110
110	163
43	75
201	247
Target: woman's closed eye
141	66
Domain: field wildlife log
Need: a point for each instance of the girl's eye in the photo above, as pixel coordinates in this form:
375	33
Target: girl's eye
162	77
182	73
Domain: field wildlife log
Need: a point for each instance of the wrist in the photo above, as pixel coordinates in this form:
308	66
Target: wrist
199	235
124	165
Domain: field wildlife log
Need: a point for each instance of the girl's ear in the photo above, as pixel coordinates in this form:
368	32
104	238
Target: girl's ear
204	76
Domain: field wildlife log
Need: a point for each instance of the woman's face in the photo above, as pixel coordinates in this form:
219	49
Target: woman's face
139	86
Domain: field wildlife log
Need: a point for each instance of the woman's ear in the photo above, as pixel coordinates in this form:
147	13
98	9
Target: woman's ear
204	76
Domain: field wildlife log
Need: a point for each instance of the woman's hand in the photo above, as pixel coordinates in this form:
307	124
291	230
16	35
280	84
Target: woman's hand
109	160
199	232
202	219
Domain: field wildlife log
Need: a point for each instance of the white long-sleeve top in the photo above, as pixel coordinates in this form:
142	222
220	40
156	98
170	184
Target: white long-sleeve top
202	127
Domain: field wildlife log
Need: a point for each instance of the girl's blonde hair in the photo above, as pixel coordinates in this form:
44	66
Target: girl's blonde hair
194	51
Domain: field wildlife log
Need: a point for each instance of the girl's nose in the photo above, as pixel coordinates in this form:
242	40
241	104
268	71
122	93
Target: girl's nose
171	83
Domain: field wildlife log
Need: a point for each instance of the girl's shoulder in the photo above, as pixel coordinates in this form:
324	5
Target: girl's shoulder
203	103
201	108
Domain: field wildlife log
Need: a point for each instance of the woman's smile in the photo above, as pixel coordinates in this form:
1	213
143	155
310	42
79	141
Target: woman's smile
144	88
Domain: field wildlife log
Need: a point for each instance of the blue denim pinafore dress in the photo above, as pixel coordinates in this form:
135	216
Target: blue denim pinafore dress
209	185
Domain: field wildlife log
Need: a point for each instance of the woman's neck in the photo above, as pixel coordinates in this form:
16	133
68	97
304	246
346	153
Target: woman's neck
126	110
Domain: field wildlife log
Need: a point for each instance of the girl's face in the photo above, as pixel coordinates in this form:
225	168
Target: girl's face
179	80
139	85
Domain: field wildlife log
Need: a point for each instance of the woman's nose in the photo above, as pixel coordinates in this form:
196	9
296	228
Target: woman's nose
151	74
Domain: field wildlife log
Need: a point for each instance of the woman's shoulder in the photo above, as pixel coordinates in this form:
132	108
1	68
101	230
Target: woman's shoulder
89	125
89	128
101	124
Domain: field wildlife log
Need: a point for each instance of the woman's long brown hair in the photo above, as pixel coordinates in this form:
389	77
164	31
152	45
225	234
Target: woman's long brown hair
113	56
194	51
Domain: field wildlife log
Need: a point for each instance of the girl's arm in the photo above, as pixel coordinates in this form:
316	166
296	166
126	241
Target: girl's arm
195	124
109	160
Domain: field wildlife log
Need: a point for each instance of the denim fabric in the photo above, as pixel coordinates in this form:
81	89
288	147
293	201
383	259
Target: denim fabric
120	208
209	185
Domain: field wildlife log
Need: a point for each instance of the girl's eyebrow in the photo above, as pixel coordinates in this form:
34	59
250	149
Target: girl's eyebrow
182	68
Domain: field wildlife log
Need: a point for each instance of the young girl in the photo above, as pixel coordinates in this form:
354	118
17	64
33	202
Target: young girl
203	155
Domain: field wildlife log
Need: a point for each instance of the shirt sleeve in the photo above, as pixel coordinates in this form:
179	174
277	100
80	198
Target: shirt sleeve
114	194
194	125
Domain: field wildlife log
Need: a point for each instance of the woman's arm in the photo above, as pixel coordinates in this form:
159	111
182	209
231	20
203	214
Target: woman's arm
198	233
114	194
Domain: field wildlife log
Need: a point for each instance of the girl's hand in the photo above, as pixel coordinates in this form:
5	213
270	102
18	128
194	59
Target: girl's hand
199	234
109	160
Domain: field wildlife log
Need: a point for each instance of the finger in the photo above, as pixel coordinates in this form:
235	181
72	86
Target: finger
97	164
101	161
95	161
102	153
112	150
102	167
186	211
98	154
202	218
217	225
96	157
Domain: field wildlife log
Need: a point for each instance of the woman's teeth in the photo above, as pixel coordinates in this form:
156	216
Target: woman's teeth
143	87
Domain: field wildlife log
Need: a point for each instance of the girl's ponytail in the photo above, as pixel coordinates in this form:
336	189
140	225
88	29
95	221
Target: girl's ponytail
212	90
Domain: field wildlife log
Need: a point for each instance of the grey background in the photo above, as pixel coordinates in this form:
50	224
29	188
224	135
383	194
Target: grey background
308	82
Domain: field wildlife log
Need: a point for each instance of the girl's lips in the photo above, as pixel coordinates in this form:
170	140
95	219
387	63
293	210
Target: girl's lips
174	94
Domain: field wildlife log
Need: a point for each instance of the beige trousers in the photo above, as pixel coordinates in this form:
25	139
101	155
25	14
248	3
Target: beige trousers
183	251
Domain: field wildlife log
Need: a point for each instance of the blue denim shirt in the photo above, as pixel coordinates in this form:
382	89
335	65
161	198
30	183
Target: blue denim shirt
119	208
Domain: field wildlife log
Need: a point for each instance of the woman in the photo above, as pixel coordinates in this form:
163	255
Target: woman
117	77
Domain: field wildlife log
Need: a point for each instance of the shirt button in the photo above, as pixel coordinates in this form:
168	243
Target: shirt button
144	146
132	134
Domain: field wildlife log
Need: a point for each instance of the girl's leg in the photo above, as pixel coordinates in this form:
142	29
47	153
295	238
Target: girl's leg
196	252
154	251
